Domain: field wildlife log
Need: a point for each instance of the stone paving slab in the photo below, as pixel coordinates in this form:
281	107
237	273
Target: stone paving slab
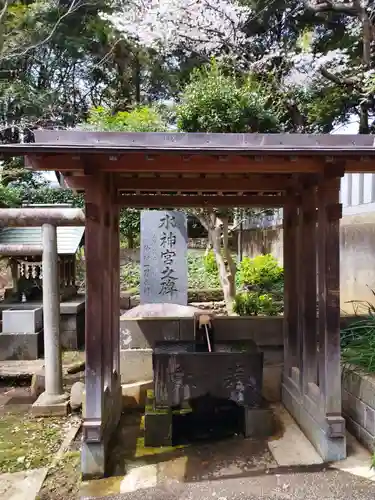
23	485
20	369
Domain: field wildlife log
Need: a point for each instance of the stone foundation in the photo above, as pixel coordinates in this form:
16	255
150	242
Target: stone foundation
358	404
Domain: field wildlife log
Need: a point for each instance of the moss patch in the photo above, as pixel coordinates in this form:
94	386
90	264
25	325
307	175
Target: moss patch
143	451
28	443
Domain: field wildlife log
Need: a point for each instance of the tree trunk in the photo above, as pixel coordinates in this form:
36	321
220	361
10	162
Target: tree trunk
130	238
226	266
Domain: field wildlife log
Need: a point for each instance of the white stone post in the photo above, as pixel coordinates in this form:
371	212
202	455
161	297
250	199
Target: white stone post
53	400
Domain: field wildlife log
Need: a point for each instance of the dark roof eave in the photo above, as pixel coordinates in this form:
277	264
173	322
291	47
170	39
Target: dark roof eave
47	149
81	142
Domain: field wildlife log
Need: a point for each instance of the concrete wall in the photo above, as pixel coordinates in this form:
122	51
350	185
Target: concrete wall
357	255
358	403
138	337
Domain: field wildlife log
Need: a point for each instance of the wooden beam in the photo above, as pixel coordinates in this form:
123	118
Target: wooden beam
176	201
196	163
36	217
194	184
172	162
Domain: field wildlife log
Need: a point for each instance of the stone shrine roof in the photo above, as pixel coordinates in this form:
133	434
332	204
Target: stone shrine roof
68	238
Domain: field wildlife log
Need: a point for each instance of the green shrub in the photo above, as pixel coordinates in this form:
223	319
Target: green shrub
210	263
255	304
130	276
262	273
199	277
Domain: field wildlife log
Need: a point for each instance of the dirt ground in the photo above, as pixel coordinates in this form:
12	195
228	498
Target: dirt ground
63	481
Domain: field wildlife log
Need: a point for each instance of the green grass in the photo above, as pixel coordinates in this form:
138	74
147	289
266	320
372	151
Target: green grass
27	442
358	344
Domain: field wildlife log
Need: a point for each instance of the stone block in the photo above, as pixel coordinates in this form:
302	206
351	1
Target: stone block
143	333
258	422
360	384
370	420
353	407
158	428
38	384
77	393
187	376
21	346
135	365
134	395
264	331
72	330
363	436
23	320
186	329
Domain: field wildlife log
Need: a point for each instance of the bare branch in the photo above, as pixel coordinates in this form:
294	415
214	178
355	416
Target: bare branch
4	10
73	7
348	82
320	6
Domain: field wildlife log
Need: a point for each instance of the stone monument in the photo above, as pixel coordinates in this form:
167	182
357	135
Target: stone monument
164	276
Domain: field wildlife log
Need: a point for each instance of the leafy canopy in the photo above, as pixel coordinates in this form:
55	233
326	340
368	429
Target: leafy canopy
217	101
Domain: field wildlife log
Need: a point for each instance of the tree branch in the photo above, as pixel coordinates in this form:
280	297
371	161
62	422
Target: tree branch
330	6
73	7
348	82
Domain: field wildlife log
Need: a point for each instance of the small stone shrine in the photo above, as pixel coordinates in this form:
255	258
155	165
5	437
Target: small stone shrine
27	269
21	336
164	276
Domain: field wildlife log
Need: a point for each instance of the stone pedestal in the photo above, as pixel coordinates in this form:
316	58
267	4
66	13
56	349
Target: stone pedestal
48	405
28	320
21	346
22	336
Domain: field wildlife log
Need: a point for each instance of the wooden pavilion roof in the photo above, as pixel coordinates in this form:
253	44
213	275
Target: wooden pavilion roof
190	169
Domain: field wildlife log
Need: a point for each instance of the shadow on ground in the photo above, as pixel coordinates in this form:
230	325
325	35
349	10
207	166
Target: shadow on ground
200	460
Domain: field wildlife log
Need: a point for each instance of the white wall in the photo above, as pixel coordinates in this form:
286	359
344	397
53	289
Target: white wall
358	193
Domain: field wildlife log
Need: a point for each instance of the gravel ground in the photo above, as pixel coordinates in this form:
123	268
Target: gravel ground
327	484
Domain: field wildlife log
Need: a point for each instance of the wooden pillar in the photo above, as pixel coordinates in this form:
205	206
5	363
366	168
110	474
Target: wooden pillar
290	284
93	455
329	214
107	286
103	389
308	288
116	292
